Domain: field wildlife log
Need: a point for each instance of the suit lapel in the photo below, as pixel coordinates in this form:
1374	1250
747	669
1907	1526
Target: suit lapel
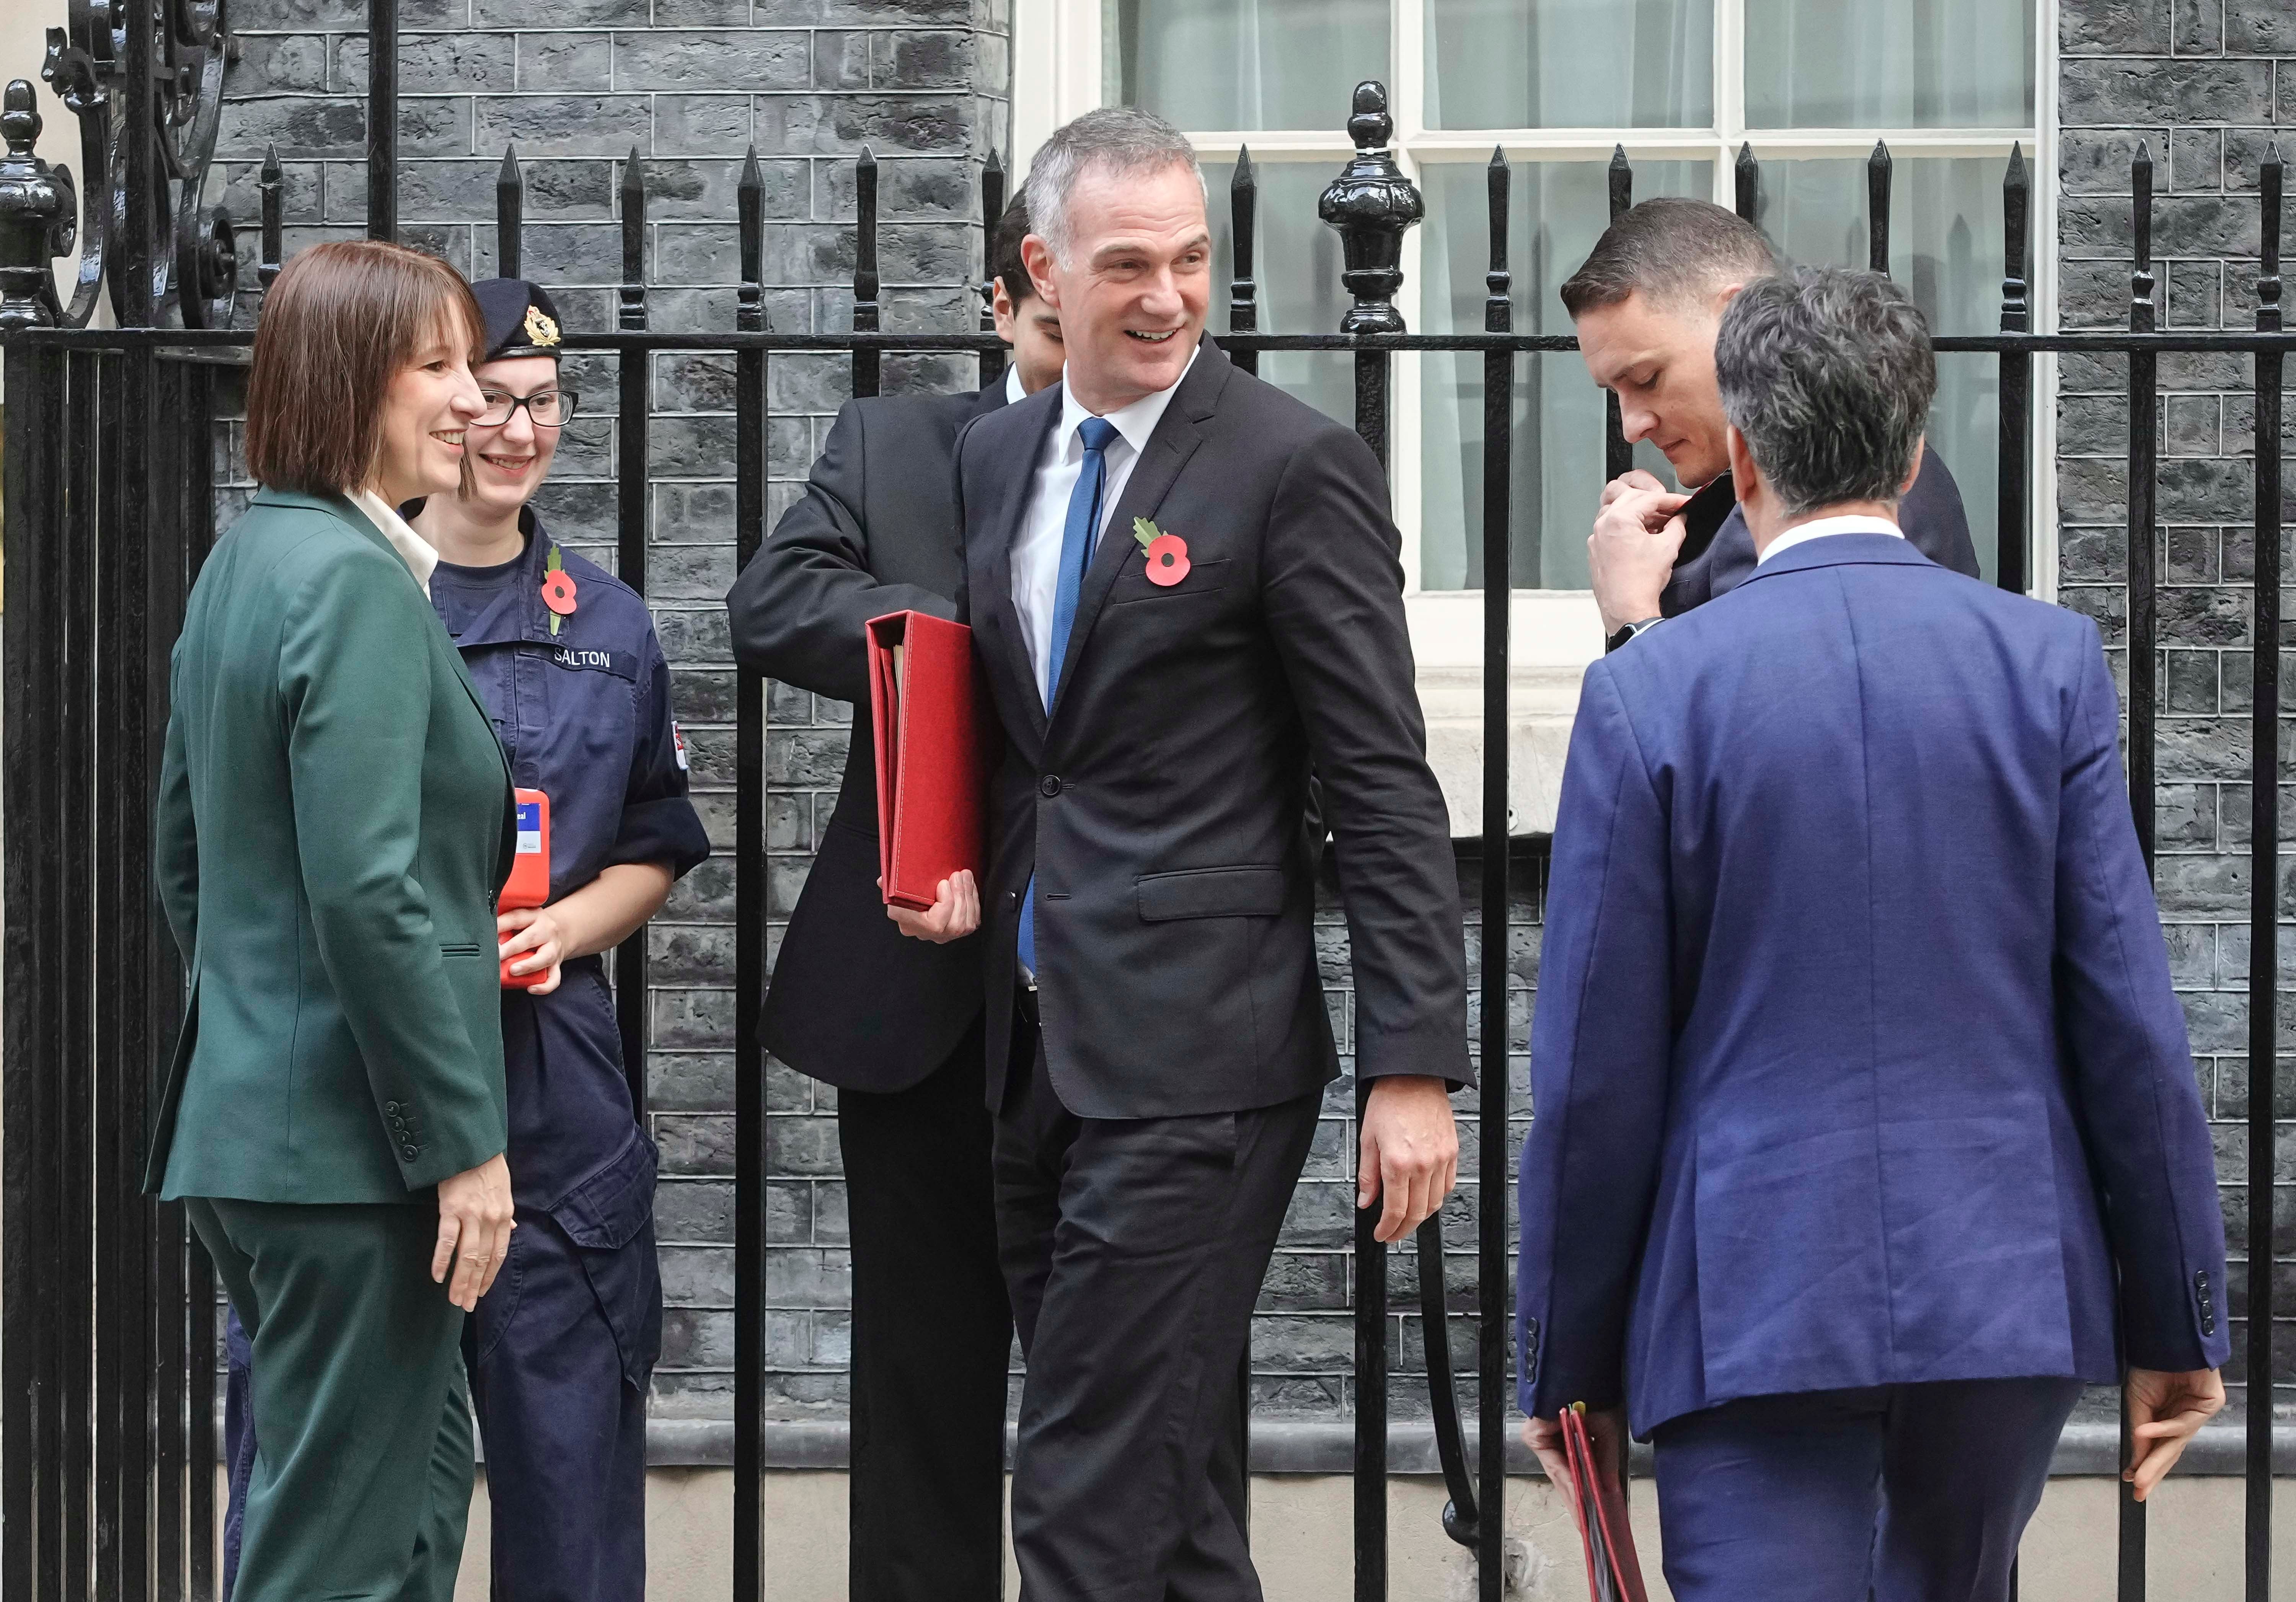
1002	646
1177	436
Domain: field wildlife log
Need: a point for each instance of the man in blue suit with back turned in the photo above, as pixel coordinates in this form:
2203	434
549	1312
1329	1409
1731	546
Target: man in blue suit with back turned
1865	1123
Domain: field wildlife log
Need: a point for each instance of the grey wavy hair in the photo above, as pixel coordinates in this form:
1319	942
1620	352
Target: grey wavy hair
1829	375
1120	139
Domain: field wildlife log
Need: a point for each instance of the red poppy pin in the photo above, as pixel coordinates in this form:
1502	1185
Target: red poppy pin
1168	554
557	589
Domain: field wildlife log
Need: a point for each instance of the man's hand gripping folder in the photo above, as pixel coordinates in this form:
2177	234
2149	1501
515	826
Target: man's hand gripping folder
1614	1573
932	727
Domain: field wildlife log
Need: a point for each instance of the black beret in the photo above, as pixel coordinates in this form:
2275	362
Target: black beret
520	320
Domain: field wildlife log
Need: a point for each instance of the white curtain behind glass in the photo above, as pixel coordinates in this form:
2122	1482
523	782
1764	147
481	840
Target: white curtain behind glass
1946	247
1570	63
1296	262
1889	63
1558	210
1248	63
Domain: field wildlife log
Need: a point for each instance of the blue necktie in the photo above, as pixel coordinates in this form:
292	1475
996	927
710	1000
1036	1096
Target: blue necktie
1077	537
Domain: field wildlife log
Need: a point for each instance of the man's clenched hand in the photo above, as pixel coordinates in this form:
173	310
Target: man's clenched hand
955	913
1631	555
1409	1155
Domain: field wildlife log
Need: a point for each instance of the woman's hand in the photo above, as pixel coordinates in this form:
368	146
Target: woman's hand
536	932
476	1217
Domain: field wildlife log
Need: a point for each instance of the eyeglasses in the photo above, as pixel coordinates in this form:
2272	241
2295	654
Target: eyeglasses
549	408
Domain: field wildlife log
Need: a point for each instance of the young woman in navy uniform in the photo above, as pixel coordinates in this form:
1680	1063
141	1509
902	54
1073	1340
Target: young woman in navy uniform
561	1351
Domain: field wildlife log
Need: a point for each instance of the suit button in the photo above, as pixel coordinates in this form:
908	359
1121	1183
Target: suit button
408	1152
1049	785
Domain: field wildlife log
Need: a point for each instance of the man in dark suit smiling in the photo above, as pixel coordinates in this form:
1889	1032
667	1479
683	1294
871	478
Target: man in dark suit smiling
893	1024
1185	591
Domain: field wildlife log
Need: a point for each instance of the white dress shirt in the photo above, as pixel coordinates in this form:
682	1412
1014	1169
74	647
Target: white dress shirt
1037	547
1817	528
413	549
1014	393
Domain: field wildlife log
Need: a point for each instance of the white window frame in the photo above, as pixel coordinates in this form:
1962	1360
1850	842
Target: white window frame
1061	69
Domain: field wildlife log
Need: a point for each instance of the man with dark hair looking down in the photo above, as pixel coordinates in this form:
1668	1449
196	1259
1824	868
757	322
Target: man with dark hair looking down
1646	303
1866	1127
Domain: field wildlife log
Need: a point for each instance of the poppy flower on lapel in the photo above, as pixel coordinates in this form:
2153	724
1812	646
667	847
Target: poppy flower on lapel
557	589
1168	554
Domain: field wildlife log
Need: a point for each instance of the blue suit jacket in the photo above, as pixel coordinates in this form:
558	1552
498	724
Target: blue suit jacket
1856	1061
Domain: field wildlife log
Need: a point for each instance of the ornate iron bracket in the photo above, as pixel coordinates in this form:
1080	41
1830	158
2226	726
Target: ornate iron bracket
158	137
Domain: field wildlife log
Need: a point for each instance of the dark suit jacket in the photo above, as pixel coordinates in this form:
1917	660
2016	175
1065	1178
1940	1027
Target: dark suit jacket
853	1001
1930	514
333	824
1856	1060
1161	805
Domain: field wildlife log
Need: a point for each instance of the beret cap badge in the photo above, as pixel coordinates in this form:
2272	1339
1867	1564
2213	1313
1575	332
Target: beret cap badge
541	327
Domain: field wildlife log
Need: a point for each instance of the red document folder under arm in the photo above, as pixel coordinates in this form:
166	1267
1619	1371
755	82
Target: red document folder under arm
931	729
1614	1573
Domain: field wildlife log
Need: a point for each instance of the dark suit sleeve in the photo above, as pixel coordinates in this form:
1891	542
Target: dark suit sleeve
659	823
1333	599
1932	517
1601	1049
2131	1064
797	608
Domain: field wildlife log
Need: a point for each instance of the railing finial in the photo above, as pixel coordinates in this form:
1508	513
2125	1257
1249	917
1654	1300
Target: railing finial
2267	278
2017	214
510	216
36	202
633	310
1370	203
269	186
2141	311
1879	170
1621	176
750	198
1750	180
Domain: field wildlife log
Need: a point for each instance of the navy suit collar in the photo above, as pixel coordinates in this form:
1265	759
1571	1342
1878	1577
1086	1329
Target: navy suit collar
1844	551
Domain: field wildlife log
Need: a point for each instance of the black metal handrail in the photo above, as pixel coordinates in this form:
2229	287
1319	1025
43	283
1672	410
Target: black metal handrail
106	1389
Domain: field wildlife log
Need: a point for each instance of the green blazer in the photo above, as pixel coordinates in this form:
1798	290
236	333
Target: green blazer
333	825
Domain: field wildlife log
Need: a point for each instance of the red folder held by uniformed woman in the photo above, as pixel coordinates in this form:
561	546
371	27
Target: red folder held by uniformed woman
932	728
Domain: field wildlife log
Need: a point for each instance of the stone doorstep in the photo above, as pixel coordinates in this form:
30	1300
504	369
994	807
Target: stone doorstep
1327	1447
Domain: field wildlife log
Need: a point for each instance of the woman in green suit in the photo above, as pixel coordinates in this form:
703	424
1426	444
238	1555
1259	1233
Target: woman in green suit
334	823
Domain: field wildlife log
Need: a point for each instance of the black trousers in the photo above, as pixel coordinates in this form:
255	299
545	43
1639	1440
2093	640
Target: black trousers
1135	1249
933	1340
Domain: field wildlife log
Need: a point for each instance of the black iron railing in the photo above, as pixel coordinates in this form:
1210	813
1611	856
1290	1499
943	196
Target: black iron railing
107	1376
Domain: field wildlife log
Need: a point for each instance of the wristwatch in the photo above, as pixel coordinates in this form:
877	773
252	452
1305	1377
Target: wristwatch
1629	632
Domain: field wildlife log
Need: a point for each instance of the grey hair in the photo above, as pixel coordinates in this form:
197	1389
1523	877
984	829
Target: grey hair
1829	375
1119	139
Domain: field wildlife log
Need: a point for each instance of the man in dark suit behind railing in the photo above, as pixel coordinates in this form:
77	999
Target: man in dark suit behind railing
1646	303
1865	1125
893	1024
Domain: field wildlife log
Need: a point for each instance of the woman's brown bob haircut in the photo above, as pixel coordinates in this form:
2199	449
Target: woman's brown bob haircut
342	322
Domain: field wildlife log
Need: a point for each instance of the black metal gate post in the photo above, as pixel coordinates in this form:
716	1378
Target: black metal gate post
2264	899
1494	1196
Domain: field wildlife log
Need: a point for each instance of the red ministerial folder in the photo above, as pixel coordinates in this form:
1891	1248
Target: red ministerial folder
1614	1573
931	730
529	885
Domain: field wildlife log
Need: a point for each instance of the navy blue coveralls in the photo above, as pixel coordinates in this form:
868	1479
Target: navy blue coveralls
562	1349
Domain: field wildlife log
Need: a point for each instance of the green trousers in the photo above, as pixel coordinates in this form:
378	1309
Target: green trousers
363	1472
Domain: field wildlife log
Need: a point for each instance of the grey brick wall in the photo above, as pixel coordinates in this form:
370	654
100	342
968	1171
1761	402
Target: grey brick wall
2205	83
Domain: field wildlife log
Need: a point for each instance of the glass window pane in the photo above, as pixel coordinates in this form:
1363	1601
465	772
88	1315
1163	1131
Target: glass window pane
1248	63
1570	63
1946	247
1296	263
1557	212
1890	64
